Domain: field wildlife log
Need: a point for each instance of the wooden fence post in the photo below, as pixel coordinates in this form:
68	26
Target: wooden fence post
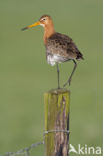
57	122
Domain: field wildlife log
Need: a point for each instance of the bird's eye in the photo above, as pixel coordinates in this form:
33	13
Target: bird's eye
44	19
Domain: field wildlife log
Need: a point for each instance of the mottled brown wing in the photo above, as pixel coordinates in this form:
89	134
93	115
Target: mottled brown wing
63	45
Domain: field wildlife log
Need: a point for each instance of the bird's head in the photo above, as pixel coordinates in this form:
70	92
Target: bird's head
44	21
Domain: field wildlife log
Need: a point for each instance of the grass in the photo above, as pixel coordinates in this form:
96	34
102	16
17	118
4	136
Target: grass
25	75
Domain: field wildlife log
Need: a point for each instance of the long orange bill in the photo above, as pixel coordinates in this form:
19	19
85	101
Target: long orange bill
30	26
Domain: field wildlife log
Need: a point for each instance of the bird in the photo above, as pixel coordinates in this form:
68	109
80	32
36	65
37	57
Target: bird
60	48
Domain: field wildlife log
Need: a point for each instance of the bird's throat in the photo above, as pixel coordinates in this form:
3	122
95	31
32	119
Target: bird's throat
48	31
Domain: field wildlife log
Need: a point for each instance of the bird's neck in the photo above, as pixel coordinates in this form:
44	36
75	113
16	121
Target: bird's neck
48	31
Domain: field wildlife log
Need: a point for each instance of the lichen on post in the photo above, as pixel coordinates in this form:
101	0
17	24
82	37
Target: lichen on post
57	106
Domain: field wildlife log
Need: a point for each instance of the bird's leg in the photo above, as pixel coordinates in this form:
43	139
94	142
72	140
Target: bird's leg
70	78
58	76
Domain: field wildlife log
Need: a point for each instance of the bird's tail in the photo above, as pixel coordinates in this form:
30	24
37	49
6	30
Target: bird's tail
79	56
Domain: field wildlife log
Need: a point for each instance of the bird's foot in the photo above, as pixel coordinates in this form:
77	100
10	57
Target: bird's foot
68	82
65	84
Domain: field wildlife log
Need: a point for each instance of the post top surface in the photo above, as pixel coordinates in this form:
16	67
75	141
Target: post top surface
58	91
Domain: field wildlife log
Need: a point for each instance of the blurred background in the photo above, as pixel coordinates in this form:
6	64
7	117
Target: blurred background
25	74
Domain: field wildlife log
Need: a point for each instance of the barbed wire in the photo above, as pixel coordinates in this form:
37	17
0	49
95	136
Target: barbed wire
25	150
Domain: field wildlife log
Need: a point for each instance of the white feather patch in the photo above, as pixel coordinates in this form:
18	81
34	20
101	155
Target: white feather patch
42	25
53	59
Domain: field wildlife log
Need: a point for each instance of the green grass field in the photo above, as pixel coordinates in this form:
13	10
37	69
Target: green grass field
25	74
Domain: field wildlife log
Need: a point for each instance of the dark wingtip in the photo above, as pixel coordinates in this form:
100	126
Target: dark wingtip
79	56
24	28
